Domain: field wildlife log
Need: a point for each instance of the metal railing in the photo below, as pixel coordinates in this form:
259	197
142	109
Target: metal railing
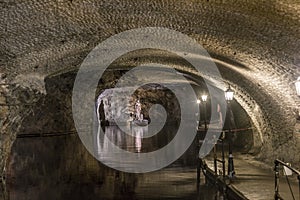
277	170
226	190
216	160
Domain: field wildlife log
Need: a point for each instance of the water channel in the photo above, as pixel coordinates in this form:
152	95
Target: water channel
60	167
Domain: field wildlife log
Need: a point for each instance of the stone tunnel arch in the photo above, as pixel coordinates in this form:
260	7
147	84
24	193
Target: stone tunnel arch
60	83
266	46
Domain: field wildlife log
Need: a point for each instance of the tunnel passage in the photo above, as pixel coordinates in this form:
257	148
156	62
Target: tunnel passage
53	112
257	54
74	164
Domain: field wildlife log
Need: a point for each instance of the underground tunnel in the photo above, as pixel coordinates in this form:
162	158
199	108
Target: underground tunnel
254	46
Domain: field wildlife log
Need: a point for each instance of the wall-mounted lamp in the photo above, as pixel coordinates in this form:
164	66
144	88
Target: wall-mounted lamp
229	97
229	94
204	97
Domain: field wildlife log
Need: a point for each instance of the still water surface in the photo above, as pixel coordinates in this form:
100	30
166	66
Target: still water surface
54	168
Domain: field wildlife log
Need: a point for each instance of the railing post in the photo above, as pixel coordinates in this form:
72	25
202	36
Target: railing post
215	159
276	169
223	159
198	170
198	161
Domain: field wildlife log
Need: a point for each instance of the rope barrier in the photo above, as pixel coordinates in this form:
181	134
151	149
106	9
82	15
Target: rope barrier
49	134
232	130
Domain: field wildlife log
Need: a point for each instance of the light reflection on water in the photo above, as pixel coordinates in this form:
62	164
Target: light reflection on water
61	168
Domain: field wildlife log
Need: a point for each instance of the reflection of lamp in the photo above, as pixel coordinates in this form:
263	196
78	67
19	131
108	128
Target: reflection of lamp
198	147
198	102
204	98
229	97
297	84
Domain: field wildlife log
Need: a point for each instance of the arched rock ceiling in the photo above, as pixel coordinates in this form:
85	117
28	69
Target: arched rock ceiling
39	38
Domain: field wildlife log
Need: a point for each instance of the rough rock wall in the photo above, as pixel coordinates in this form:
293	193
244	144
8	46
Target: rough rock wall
53	112
16	103
148	96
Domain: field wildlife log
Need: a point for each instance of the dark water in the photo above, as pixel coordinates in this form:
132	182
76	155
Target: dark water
60	168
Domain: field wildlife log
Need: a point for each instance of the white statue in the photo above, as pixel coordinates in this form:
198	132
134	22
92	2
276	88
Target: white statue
138	109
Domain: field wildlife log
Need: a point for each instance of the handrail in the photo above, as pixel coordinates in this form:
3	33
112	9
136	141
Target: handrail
219	160
228	191
276	169
216	167
288	166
